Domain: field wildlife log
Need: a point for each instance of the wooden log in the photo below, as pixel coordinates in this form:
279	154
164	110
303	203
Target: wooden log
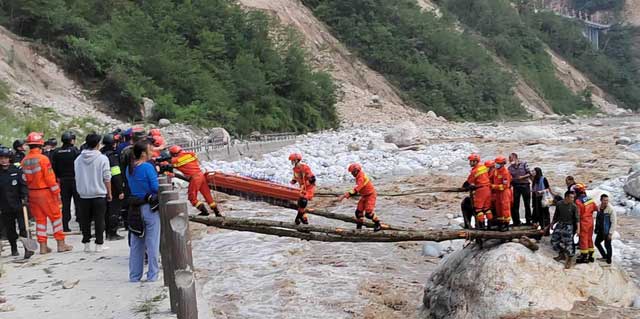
350	219
182	259
166	194
416	191
337	234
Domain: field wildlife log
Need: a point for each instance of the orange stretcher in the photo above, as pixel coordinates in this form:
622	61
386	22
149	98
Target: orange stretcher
253	189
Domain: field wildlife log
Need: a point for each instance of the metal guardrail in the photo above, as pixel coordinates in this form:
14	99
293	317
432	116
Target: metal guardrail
210	145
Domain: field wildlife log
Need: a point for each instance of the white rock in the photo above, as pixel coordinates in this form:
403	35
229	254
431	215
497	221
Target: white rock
353	147
597	123
404	134
164	122
449	216
511	271
219	135
623	140
432	249
632	185
147	107
432	115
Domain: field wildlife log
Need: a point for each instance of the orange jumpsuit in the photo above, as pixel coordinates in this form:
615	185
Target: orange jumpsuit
367	203
44	194
586	208
303	176
501	187
187	163
479	177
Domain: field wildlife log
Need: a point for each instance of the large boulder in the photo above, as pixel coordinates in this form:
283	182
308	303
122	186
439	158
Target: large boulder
404	134
634	168
147	108
219	135
508	279
632	186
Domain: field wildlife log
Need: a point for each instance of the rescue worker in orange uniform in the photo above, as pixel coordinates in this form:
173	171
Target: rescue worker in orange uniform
491	165
479	185
586	207
158	146
44	194
187	163
367	203
303	176
501	187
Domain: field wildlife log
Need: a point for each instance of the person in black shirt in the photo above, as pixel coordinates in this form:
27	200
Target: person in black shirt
114	206
49	147
62	162
13	195
18	152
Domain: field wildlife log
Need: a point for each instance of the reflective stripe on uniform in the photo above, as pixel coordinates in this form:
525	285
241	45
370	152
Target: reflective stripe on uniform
54	188
31	170
184	160
31	162
115	171
481	170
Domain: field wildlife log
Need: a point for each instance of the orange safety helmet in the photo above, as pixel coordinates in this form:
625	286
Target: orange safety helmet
158	141
474	157
354	167
35	138
295	157
501	160
155	132
174	150
489	163
580	188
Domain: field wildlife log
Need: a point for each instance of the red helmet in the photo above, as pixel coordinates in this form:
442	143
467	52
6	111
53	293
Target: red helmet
176	149
580	188
35	138
474	157
158	141
501	160
295	157
489	163
354	167
155	132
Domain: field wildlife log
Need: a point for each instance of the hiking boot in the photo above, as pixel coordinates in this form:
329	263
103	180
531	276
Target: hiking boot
377	227
44	249
609	261
63	247
568	263
28	254
217	212
14	250
298	220
591	258
87	247
358	225
98	248
582	259
560	257
504	228
203	210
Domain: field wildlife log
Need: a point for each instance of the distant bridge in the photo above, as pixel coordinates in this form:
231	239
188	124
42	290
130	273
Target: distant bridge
592	28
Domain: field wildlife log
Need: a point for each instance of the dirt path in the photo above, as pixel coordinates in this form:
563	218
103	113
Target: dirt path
37	287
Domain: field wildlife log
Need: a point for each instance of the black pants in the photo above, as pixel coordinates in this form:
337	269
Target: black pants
8	221
524	191
112	217
541	214
92	210
607	244
67	192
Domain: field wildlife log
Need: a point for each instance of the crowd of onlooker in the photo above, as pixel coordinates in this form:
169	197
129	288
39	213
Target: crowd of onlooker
111	179
497	189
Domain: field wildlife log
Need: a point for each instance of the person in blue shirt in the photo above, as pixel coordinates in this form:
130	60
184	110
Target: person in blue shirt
144	220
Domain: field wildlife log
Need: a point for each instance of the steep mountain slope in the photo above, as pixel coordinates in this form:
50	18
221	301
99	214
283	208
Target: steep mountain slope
39	83
359	85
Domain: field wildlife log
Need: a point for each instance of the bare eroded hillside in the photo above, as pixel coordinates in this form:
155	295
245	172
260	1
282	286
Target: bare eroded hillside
357	83
37	82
